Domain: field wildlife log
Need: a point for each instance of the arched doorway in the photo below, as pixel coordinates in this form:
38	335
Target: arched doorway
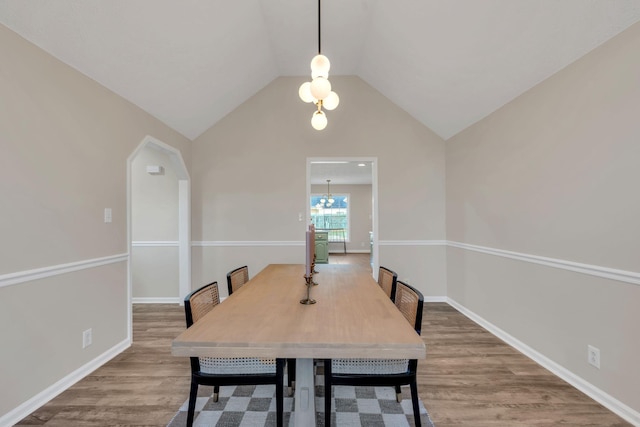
180	247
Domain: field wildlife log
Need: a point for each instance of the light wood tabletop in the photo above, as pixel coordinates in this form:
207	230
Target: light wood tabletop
352	318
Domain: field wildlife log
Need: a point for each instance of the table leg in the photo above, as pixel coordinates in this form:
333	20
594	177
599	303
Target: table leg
305	396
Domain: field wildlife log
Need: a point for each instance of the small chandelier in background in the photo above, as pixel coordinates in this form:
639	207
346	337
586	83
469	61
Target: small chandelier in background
318	90
327	199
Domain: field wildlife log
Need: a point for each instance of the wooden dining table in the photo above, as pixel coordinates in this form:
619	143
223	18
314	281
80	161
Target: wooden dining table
352	318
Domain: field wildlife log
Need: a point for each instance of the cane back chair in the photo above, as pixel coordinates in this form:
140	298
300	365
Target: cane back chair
380	372
387	279
236	278
216	372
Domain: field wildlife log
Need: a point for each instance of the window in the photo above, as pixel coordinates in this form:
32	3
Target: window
334	218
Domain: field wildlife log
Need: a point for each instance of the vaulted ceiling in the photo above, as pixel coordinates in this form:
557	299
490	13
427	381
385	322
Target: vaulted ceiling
448	63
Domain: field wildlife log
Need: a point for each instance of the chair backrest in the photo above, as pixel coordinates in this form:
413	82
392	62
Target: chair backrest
200	302
387	280
237	278
410	301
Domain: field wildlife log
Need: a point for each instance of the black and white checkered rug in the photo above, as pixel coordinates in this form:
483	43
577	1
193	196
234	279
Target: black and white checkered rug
255	406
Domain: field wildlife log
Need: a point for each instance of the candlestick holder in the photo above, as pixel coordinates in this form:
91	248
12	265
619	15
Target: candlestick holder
309	284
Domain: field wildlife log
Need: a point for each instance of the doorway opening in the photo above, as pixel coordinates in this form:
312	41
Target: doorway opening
177	214
353	178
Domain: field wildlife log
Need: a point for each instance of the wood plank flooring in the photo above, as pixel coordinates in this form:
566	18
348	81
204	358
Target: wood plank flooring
470	378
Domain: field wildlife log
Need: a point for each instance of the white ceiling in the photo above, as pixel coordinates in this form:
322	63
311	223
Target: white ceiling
449	63
341	172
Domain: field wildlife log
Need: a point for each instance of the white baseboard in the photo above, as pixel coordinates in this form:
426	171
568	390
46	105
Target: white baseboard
12	417
154	243
436	299
152	300
605	399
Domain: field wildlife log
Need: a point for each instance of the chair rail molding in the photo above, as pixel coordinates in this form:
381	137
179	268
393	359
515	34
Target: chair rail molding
590	269
593	270
230	243
412	242
54	270
223	243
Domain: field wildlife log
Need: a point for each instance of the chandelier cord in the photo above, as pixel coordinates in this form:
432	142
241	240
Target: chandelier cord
319	38
318	90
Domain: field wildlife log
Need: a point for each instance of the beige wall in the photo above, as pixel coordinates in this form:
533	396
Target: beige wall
155	274
42	324
258	153
154	205
555	173
64	148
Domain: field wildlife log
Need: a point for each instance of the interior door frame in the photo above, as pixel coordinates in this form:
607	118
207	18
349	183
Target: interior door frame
374	197
184	220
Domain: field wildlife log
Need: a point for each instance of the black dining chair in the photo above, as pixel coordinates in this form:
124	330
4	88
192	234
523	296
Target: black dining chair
380	372
236	278
387	279
216	372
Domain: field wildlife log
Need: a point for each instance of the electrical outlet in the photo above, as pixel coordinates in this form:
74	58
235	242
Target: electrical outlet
87	339
593	356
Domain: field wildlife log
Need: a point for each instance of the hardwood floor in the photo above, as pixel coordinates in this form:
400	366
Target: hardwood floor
470	378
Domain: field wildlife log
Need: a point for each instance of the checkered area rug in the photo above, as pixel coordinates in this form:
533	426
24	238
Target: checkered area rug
255	406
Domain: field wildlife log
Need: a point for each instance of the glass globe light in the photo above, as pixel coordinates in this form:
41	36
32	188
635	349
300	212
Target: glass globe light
319	120
305	92
331	101
320	88
320	66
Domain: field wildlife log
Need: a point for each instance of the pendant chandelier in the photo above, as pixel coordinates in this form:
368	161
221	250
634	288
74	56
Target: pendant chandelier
318	90
327	199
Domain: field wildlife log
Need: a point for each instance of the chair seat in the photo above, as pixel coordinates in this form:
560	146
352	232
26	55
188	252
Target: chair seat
237	365
217	371
380	372
369	366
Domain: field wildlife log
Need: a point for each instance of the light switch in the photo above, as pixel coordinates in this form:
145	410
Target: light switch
107	214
